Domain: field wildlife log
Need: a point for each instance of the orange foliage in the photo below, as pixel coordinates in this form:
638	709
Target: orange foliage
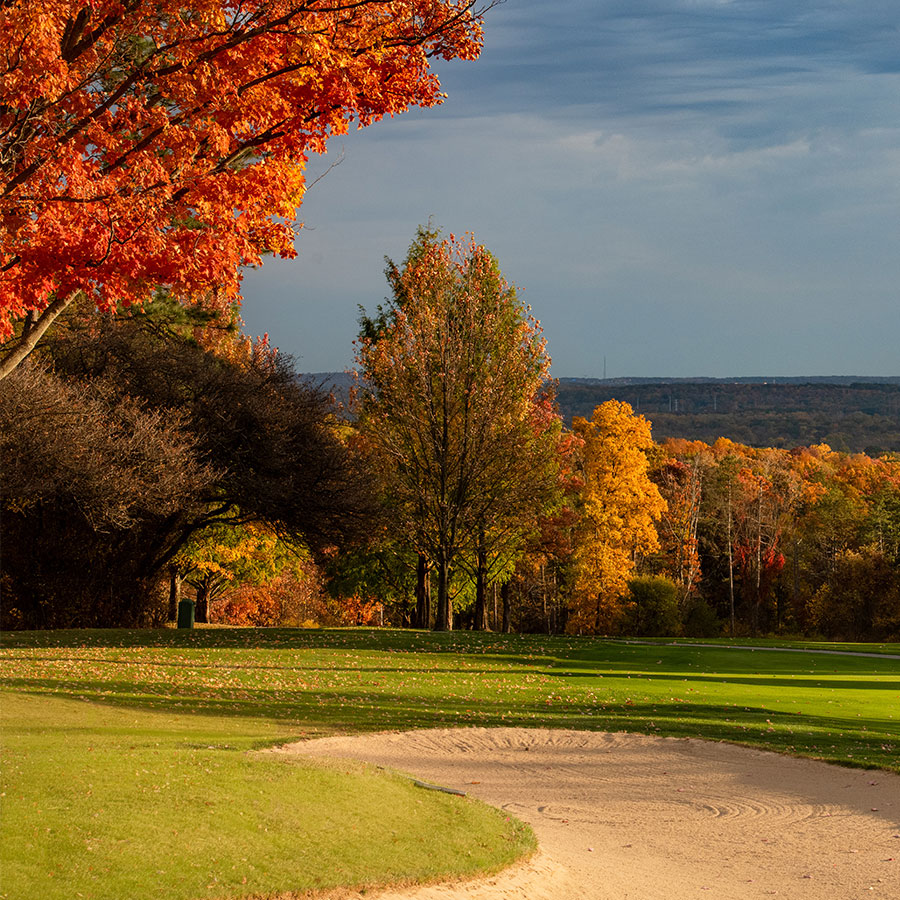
249	605
358	610
680	483
163	143
291	598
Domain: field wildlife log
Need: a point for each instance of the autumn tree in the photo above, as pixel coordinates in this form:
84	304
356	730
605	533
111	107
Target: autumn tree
621	506
536	599
225	555
204	442
85	470
717	529
518	499
449	374
247	574
767	496
679	472
848	520
146	144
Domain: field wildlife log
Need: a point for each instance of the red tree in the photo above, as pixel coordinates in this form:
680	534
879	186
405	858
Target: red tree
162	143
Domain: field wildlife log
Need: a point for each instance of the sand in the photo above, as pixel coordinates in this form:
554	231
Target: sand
631	817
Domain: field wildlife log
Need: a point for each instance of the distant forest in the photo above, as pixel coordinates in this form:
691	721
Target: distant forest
850	415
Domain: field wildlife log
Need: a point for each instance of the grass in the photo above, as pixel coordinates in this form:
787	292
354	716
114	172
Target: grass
116	803
126	770
781	643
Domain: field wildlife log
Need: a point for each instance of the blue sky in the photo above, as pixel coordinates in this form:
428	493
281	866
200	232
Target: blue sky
684	187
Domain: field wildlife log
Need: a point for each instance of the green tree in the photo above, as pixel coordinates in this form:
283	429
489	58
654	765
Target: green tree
652	607
450	370
861	600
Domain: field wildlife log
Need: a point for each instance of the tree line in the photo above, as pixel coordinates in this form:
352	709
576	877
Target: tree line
147	443
160	454
854	417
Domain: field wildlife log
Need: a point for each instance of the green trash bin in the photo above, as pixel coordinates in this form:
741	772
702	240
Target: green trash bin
186	614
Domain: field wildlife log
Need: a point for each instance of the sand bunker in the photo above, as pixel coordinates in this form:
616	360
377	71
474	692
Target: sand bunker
630	817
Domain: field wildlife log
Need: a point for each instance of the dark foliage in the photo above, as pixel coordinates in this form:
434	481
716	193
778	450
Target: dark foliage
224	443
858	417
860	601
652	609
269	437
87	474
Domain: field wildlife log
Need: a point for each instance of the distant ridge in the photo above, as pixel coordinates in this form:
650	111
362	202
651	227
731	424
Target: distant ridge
344	378
775	379
850	413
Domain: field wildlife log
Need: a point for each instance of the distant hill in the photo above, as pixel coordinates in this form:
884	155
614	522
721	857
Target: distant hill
849	414
777	379
852	414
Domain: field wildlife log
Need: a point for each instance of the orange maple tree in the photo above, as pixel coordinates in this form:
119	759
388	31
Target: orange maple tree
163	143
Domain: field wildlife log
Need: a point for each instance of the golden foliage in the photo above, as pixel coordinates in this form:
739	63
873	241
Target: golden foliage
621	507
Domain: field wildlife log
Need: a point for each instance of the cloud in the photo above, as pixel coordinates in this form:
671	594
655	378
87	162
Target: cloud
632	58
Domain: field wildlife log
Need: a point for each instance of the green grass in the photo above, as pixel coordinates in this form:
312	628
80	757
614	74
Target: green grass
116	803
126	769
829	646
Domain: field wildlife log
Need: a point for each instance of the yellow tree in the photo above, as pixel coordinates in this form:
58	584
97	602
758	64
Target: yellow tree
621	508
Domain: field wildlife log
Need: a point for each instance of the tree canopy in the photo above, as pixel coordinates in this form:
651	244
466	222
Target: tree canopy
621	507
157	143
451	372
139	440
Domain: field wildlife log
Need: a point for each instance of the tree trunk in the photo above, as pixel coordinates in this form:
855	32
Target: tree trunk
480	623
423	593
730	566
504	596
544	598
444	619
174	593
201	611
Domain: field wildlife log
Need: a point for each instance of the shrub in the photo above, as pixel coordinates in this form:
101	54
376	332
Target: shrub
652	607
700	620
293	598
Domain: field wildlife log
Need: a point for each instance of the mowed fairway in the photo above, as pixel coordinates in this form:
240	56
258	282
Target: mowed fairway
127	774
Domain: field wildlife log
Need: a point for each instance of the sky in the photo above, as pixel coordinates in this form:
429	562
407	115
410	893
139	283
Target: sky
677	188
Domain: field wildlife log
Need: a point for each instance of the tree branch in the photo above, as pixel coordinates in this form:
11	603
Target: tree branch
34	330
